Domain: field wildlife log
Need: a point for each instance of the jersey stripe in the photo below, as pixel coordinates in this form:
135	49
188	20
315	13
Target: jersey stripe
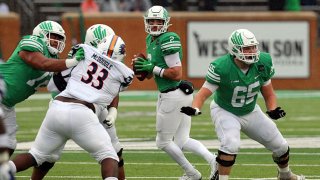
212	75
171	45
31	43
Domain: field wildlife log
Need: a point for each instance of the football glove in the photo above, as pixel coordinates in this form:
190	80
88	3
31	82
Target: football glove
79	56
190	111
143	65
111	117
73	50
5	172
276	113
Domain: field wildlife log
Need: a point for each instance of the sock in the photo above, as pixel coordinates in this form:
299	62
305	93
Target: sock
111	178
198	148
286	169
177	155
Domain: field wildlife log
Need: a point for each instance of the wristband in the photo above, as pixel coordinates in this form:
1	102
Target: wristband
158	71
197	111
71	62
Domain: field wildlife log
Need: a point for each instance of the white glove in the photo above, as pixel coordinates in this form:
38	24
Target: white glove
111	117
5	172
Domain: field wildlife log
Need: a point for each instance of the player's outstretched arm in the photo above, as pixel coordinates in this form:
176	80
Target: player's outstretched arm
38	61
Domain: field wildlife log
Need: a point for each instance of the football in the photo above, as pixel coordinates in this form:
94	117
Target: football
141	75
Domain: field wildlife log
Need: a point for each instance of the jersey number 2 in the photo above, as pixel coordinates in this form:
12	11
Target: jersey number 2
102	75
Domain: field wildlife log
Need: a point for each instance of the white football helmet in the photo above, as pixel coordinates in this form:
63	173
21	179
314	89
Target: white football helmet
114	47
96	33
156	12
243	38
45	29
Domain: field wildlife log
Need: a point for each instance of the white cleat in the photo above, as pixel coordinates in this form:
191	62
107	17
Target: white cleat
191	176
214	175
289	176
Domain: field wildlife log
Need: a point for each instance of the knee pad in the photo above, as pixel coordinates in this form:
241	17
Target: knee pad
283	159
163	140
225	163
46	166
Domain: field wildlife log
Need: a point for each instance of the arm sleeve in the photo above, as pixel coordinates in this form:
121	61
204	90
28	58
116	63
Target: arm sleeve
173	60
211	87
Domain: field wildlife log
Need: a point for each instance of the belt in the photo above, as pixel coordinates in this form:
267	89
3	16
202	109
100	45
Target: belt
67	99
169	90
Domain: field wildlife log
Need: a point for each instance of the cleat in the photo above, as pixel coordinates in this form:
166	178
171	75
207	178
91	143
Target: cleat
214	175
193	176
289	176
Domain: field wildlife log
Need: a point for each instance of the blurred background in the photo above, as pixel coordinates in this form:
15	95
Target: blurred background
287	29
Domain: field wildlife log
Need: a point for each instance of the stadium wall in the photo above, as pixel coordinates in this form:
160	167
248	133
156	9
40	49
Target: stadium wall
9	33
303	74
130	27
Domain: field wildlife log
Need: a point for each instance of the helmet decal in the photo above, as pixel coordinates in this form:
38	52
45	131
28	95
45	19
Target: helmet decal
96	33
99	32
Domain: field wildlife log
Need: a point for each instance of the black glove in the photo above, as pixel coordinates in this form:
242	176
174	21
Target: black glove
276	113
190	111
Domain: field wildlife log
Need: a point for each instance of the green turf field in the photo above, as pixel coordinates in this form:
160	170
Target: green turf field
136	122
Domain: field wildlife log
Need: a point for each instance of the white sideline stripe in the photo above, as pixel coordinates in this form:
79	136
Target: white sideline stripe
280	94
304	142
196	164
136	177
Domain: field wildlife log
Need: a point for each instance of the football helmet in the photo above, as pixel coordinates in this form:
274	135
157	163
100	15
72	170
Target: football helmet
243	38
96	33
156	12
45	29
114	47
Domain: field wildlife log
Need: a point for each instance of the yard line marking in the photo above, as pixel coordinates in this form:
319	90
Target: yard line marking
175	164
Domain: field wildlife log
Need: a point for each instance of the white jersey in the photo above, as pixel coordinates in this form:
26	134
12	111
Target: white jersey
97	79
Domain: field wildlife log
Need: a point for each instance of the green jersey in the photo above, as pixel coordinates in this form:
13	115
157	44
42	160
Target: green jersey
238	91
21	79
163	45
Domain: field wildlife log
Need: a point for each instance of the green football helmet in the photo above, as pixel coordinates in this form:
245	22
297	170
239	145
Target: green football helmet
96	33
243	38
45	29
156	12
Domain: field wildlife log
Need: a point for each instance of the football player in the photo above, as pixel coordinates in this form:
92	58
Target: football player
29	67
236	79
163	63
95	35
5	172
92	86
